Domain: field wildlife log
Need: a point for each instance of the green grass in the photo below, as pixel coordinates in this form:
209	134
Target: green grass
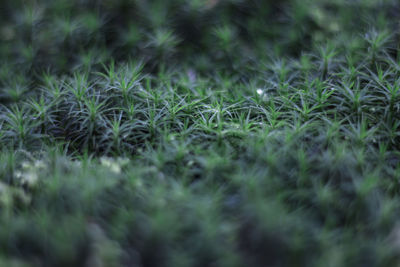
199	133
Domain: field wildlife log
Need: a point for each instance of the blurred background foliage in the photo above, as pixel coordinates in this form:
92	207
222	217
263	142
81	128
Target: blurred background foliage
64	35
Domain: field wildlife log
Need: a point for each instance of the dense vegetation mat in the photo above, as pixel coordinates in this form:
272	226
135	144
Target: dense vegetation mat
199	133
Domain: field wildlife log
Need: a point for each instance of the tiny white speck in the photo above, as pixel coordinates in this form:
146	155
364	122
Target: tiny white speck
259	91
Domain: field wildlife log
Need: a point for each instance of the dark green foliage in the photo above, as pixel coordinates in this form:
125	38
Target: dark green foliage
199	133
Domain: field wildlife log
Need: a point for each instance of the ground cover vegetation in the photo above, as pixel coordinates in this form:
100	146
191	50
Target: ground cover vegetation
199	133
